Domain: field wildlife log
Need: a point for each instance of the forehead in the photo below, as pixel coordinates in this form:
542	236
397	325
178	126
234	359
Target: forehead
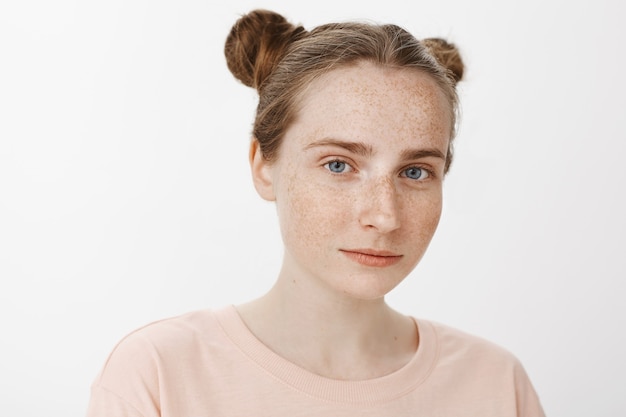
368	101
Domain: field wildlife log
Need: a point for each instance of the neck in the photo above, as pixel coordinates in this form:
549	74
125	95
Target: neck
331	334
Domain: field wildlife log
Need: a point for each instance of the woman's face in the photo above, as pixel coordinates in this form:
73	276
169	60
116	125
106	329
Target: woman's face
358	178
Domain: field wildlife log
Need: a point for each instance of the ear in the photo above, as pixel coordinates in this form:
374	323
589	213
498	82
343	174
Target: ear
261	172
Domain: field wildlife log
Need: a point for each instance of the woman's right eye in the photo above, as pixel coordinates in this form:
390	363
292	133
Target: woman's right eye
337	167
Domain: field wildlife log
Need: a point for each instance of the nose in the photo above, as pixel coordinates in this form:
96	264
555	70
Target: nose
379	208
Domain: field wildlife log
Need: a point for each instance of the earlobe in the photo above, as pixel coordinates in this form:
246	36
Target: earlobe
261	172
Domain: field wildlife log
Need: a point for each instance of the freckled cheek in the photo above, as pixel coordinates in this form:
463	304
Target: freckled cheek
422	214
311	214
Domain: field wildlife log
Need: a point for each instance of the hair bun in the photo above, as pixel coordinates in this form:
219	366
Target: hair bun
256	43
447	55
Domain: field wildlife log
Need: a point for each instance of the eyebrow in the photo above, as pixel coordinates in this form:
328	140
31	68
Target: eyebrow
358	148
423	153
364	150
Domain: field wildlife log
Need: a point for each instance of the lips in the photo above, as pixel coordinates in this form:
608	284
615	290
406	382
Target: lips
372	257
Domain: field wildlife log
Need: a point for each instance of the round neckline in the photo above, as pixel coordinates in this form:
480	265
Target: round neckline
380	389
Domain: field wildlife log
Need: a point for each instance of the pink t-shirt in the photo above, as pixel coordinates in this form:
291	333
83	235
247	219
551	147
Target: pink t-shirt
207	363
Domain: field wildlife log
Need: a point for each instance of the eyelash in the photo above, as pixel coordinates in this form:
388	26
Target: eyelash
341	161
429	173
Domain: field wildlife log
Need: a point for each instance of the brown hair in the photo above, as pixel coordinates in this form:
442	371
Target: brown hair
280	60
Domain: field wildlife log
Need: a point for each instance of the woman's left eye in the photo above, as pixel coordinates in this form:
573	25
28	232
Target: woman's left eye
416	173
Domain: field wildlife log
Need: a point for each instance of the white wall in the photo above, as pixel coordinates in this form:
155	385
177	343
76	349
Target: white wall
125	196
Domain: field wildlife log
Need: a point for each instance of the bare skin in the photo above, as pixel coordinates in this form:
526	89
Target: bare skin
358	191
333	338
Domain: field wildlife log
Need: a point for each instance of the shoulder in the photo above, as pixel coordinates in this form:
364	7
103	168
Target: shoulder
478	371
453	341
135	371
142	353
175	332
473	356
170	331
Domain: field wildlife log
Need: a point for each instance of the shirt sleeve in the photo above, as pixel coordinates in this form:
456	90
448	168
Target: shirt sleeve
128	385
104	403
528	404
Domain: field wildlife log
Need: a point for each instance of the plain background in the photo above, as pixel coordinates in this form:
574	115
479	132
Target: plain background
125	194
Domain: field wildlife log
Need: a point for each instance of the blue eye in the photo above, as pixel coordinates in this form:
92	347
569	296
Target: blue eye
337	166
416	173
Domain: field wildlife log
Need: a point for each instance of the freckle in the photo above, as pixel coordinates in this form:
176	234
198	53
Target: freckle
395	338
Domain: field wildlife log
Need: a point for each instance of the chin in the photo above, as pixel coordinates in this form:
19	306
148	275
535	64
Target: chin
368	288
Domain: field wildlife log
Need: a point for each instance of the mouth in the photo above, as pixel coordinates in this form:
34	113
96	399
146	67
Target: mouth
371	257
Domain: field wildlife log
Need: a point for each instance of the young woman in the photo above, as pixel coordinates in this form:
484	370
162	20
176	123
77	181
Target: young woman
352	139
